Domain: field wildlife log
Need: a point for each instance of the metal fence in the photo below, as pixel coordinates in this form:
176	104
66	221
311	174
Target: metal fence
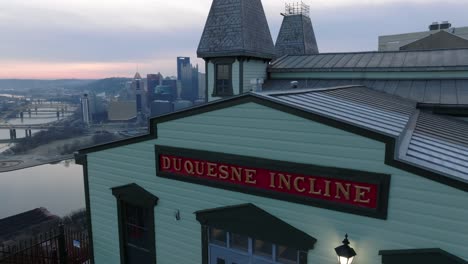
59	246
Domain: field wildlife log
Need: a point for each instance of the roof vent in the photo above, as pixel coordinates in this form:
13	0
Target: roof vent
294	84
434	26
445	25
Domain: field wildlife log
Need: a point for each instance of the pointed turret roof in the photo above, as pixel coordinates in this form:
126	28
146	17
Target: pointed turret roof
236	28
137	76
296	36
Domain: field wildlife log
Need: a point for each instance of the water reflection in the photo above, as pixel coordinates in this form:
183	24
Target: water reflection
58	187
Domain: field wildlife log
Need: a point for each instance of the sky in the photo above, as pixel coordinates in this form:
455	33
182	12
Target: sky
91	39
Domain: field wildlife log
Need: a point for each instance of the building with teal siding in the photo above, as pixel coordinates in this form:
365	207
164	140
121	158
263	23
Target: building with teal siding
299	159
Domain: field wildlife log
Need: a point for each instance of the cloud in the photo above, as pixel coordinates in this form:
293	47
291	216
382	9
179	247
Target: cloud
119	34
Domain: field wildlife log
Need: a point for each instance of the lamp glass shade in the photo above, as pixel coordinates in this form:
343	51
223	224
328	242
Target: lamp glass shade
345	260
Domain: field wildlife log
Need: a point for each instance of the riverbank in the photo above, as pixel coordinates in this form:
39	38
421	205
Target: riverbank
45	154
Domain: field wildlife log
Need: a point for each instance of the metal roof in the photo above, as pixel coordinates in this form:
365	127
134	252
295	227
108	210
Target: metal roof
435	143
357	105
439	143
421	60
445	92
236	28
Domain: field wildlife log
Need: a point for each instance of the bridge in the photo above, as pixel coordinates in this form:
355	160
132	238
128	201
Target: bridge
30	126
7	141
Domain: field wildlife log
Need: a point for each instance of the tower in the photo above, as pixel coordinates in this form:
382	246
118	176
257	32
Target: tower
138	87
236	45
296	36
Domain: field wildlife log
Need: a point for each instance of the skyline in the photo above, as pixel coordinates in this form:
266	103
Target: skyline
49	39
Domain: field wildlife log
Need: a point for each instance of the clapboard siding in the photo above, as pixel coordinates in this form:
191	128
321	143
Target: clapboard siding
254	69
421	213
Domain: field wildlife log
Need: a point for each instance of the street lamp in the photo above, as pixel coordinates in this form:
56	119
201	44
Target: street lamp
345	253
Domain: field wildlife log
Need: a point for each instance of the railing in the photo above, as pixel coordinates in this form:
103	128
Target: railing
58	246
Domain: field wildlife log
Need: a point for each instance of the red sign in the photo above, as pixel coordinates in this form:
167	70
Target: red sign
313	186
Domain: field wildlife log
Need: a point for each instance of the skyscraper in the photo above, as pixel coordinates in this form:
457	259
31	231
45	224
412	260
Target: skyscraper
181	63
188	77
85	109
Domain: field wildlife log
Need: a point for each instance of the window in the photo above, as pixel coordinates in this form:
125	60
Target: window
136	222
135	208
245	233
229	246
223	80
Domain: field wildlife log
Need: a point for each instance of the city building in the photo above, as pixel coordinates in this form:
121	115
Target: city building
337	156
201	86
188	77
122	111
439	36
153	80
171	86
85	113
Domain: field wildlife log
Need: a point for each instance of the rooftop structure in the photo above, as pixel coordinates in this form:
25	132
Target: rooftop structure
395	42
296	36
439	40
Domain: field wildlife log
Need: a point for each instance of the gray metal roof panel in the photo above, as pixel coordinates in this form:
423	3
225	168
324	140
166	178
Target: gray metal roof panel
424	60
449	58
375	61
398	60
404	88
364	60
386	60
315	60
305	62
462	57
448	92
331	63
433	92
379	85
365	107
391	86
417	90
462	92
411	59
342	62
436	58
441	144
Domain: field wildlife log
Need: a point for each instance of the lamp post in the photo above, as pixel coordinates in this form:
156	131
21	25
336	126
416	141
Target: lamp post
345	253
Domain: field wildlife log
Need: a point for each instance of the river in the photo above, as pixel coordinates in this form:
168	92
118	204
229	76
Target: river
57	187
